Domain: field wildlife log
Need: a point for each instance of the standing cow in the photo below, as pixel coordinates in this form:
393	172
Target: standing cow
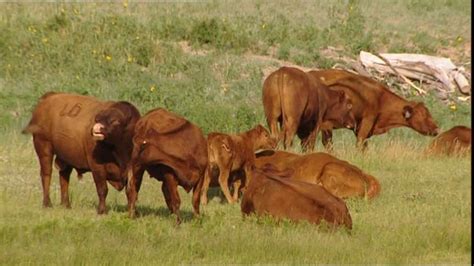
301	104
376	109
85	134
172	150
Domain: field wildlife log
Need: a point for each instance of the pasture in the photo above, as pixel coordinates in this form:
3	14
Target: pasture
205	61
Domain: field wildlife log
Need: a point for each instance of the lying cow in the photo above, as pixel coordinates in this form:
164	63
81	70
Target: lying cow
376	109
172	150
84	134
341	178
270	193
301	104
231	157
456	141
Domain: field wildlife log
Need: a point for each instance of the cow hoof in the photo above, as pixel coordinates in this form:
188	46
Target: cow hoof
47	204
101	212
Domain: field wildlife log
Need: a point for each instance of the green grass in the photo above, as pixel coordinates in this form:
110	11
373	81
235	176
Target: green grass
204	61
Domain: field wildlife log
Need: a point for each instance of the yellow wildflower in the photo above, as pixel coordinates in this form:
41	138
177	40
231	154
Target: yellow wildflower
44	40
130	59
125	4
31	29
459	39
108	57
453	107
137	38
94	51
152	88
264	25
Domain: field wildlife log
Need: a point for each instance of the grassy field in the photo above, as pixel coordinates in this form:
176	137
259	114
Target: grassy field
205	61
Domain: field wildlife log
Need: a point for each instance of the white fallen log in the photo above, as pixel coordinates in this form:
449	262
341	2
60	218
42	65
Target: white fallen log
420	67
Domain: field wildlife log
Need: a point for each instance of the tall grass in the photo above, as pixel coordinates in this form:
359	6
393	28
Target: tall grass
196	60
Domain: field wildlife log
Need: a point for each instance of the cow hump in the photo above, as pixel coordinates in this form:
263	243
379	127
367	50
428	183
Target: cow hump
164	122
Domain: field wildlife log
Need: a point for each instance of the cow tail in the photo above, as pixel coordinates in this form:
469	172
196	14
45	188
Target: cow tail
373	186
280	84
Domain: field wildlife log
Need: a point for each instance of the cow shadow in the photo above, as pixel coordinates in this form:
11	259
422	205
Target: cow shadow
145	210
216	192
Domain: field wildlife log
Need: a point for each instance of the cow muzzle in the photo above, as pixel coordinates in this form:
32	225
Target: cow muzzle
97	132
435	132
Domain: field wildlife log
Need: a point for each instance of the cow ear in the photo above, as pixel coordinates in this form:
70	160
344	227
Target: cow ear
407	111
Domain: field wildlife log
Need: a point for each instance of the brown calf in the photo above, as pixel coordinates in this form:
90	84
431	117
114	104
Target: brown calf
231	158
341	178
456	141
270	194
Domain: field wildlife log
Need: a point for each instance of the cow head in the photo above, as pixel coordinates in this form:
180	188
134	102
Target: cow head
262	138
419	118
112	123
340	112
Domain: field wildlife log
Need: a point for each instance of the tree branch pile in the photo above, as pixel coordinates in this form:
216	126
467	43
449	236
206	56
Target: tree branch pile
430	72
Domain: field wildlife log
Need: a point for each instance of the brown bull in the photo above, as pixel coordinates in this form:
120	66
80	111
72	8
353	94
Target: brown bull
270	194
339	177
301	104
231	158
456	141
172	150
376	109
84	134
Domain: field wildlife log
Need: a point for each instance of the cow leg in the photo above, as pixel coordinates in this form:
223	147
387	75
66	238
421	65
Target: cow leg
197	190
311	140
224	173
100	180
247	177
205	185
290	127
273	125
236	186
327	140
64	175
44	150
365	127
133	187
170	191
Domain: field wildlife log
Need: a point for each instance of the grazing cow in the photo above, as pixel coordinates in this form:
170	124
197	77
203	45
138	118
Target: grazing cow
84	134
341	178
301	104
376	109
456	141
231	157
172	150
269	192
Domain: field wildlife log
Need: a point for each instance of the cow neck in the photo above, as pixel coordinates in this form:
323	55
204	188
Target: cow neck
392	113
249	137
122	151
331	100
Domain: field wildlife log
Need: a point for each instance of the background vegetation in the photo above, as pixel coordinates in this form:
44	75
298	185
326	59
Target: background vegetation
205	61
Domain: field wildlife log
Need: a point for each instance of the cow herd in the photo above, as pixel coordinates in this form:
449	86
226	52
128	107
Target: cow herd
118	145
